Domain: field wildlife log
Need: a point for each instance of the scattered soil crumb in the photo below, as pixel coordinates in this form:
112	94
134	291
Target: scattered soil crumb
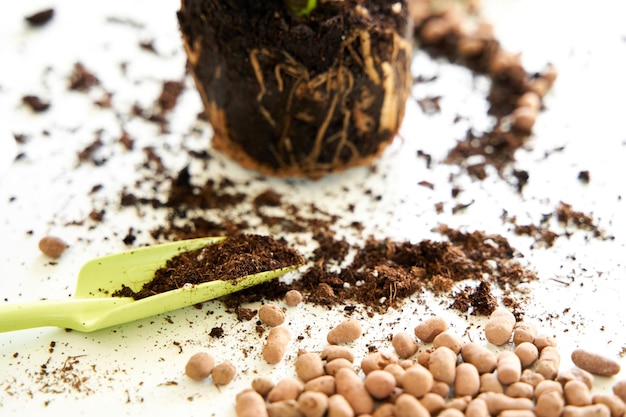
35	103
40	18
544	234
82	79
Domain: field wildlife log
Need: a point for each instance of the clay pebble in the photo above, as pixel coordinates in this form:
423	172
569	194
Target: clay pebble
595	363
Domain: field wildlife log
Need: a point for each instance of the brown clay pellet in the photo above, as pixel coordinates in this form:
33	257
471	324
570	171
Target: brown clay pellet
375	361
451	412
542	341
549	404
52	246
331	352
352	388
312	404
338	406
380	384
594	410
394	395
525	331
519	390
286	389
423	357
531	377
272	315
489	383
517	413
548	386
409	406
615	404
477	408
531	100
347	331
385	410
527	353
576	393
595	363
276	344
540	86
482	358
404	344
417	380
470	46
499	327
287	408
433	402
262	385
333	366
460	403
199	366
509	368
440	388
524	119
503	62
455	19
442	364
435	29
498	402
308	366
449	340
223	373
548	362
397	371
619	389
324	384
293	298
250	403
576	373
467	380
405	363
429	328
485	30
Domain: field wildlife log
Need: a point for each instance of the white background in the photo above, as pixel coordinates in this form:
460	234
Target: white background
139	367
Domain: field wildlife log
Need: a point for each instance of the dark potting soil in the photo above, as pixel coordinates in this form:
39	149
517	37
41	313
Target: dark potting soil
381	274
229	260
303	96
568	218
385	273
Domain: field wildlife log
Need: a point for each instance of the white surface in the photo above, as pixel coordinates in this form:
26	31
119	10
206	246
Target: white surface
138	368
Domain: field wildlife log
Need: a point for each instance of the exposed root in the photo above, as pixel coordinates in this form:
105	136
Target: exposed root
333	92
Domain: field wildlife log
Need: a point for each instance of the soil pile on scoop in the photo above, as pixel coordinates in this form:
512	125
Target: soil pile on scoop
229	260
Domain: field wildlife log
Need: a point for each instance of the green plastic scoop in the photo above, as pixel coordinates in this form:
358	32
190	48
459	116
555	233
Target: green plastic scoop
93	306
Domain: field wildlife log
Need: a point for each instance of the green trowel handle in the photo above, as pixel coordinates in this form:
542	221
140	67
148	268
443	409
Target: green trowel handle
73	313
87	314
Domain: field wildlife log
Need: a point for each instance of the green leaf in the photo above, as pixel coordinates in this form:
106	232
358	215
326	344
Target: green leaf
302	7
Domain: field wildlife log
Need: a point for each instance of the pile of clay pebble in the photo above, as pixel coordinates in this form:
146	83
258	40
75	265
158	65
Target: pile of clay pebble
433	373
456	27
